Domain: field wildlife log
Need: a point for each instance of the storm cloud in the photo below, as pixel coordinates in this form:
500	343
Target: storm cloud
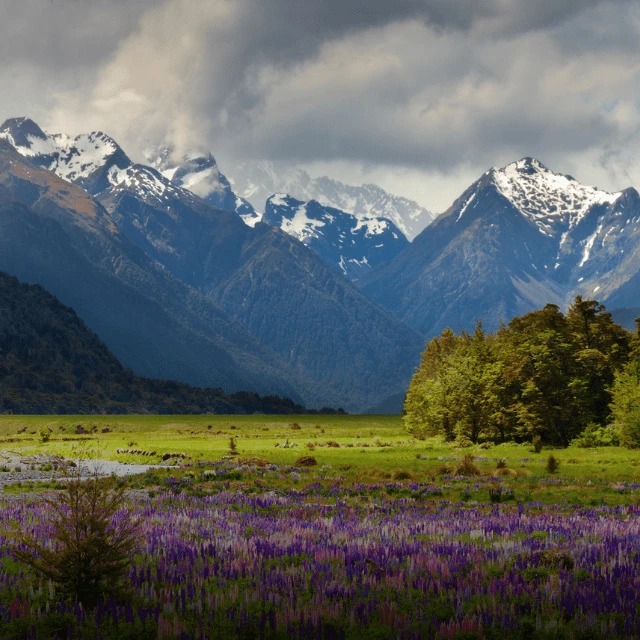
431	88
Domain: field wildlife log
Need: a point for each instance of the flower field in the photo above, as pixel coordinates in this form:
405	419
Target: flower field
306	561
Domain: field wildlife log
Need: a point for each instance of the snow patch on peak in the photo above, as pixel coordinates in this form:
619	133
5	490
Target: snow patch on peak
552	201
280	199
145	183
301	225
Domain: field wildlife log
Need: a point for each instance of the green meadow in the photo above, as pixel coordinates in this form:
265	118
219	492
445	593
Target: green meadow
347	449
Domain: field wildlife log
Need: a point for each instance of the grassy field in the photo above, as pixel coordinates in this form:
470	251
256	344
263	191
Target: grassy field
385	537
347	449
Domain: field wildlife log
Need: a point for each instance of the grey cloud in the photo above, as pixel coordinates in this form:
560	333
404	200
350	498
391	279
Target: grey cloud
433	84
59	34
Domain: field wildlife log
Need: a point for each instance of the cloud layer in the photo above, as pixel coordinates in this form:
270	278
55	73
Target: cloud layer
434	88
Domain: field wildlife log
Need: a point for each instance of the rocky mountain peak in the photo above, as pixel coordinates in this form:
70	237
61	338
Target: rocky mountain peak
85	159
198	172
552	201
21	131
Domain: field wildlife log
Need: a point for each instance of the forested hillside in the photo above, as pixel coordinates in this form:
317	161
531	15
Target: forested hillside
52	363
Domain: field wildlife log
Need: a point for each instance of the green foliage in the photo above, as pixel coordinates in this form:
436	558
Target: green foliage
596	436
626	402
44	434
543	378
536	443
454	393
92	552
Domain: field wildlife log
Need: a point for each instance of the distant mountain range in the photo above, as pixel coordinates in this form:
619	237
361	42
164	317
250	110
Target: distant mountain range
361	213
181	290
517	238
256	181
352	245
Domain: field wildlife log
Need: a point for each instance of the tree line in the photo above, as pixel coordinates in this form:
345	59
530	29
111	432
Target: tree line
546	375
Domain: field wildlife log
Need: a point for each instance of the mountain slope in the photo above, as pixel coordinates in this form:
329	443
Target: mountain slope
257	181
52	363
508	245
278	289
316	320
349	244
52	233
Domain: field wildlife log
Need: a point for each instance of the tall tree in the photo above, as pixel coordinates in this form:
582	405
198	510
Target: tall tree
601	348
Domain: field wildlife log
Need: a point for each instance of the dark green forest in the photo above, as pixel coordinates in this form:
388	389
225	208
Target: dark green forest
50	362
547	376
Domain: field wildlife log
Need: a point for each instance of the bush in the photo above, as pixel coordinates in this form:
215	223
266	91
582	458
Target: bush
552	464
44	434
536	443
92	550
596	436
468	467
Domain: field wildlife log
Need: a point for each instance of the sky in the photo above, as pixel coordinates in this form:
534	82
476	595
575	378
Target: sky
419	96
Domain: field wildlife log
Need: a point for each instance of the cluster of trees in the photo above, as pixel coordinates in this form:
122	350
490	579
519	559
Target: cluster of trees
547	374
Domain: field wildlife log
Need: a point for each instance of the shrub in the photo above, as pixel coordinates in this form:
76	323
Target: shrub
92	549
506	472
402	475
44	434
596	436
464	443
295	426
552	464
233	449
536	443
555	559
501	464
468	467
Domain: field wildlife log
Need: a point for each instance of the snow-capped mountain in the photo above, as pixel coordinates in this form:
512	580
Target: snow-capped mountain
350	244
200	174
554	202
258	180
87	159
517	238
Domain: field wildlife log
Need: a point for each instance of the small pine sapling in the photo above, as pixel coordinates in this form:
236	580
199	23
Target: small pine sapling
93	537
552	464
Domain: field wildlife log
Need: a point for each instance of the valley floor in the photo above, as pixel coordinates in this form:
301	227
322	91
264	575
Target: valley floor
383	537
